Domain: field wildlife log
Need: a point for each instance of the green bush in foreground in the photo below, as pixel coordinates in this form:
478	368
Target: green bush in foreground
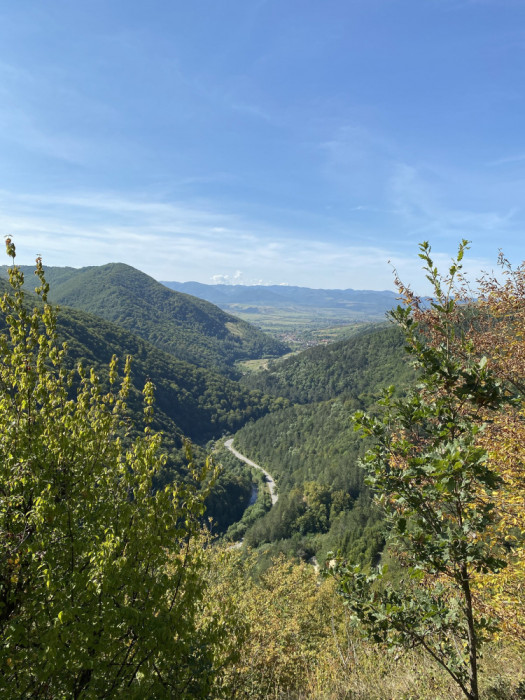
100	578
438	491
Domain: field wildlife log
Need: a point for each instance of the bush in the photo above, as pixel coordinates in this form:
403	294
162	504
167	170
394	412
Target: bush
100	578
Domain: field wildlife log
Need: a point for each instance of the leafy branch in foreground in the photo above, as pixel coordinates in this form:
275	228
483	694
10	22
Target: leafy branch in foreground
433	481
101	579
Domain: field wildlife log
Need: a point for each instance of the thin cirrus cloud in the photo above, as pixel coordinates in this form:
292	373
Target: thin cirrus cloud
427	201
517	158
175	242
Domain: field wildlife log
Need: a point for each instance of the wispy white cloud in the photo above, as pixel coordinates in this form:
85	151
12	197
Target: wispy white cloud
174	241
422	200
357	161
240	277
517	158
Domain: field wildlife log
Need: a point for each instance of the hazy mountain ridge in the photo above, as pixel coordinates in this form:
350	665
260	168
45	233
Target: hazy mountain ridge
364	301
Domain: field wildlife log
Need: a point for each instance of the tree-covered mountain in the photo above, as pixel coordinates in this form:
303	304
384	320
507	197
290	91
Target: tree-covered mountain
312	450
189	328
190	400
351	368
200	402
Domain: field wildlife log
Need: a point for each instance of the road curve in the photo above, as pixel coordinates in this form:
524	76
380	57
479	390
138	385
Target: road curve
269	478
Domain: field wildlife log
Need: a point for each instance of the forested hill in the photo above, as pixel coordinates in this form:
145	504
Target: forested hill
191	329
312	450
200	402
350	368
189	400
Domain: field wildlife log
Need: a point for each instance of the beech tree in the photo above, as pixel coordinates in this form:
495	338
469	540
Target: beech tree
100	577
433	479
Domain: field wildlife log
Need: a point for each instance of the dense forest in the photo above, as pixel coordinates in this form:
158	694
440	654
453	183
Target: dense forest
312	451
135	564
190	328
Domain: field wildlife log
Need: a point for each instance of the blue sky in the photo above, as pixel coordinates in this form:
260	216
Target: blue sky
263	141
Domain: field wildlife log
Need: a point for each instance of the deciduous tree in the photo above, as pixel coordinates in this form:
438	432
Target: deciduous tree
100	577
492	323
431	474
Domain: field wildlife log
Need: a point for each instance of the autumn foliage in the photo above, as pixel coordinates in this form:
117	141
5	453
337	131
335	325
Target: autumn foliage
489	324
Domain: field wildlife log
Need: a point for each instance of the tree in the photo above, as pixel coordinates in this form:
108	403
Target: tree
493	328
100	578
433	480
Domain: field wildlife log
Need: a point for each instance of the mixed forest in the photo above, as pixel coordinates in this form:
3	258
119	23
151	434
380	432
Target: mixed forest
141	558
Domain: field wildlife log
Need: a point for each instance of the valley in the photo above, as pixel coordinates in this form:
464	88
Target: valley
298	316
214	374
258	441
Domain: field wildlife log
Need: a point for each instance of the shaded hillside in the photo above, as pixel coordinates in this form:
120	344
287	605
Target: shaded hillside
350	368
190	400
191	329
201	403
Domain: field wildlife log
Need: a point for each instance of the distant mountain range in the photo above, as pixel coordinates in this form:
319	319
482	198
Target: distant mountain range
366	302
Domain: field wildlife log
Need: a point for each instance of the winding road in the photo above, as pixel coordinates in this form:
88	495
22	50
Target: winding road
269	478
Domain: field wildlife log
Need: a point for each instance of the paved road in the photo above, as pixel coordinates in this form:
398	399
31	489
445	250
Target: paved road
269	478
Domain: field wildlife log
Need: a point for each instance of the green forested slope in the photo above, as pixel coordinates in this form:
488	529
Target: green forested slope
312	450
194	401
189	328
323	504
190	401
201	403
354	368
